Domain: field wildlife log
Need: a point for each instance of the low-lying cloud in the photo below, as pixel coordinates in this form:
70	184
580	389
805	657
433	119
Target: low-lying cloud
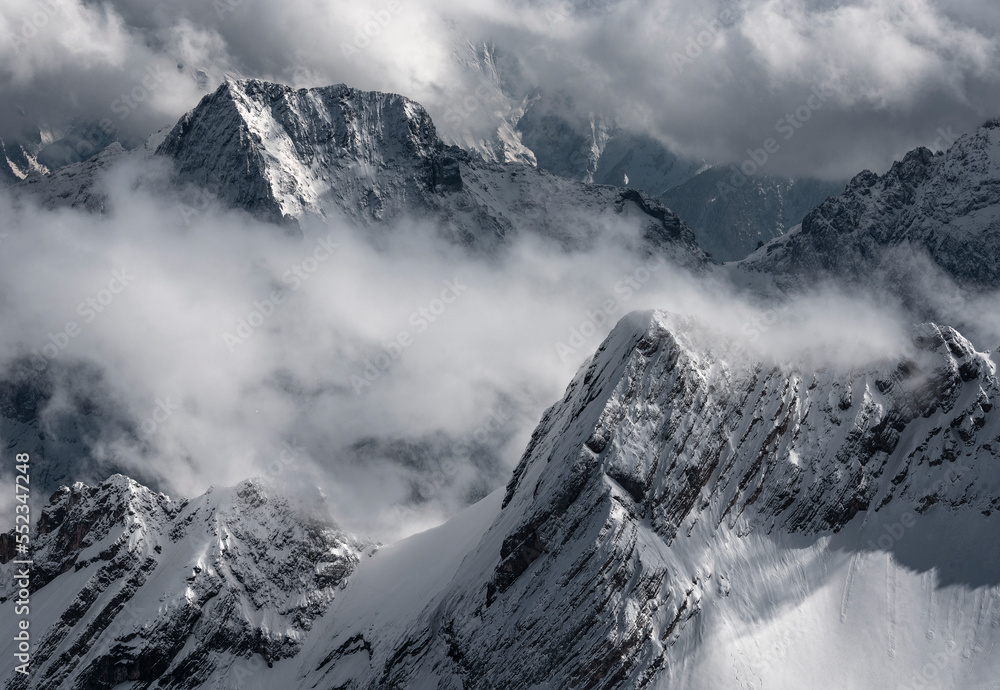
404	379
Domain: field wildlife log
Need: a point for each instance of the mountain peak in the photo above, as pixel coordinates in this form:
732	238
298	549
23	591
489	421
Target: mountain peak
157	589
930	219
680	486
279	152
287	154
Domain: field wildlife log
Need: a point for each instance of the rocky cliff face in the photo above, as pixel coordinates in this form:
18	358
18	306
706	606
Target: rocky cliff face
688	513
666	491
598	150
277	152
729	225
18	160
486	121
131	586
931	212
289	155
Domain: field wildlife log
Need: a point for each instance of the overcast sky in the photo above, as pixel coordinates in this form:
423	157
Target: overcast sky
840	86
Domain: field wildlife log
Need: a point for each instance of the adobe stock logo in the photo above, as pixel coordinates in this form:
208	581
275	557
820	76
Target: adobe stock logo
88	310
31	26
373	27
709	32
137	95
421	319
161	413
294	278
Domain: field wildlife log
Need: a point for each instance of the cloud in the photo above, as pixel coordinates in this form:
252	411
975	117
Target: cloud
710	80
714	80
405	379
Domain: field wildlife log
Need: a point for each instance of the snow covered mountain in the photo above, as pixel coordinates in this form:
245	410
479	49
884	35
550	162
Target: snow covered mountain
133	587
690	515
931	213
675	503
500	98
32	154
597	150
292	156
287	155
729	226
77	185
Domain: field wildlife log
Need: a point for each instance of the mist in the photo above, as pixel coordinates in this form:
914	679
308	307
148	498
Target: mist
399	372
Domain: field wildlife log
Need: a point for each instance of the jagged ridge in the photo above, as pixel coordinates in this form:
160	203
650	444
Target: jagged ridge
644	483
681	489
287	155
144	588
936	209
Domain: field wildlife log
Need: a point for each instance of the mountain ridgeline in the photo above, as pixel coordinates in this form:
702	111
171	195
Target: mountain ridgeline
692	514
287	155
672	503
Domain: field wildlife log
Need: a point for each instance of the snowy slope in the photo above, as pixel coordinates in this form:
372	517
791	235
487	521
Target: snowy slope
930	212
728	226
129	585
688	516
78	185
641	162
276	151
374	159
289	155
293	155
600	151
675	509
507	118
500	99
18	160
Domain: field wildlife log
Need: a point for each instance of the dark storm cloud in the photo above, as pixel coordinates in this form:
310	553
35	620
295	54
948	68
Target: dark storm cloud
713	80
717	80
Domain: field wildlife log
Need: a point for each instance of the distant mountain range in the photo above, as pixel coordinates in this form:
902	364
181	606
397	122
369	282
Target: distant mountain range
731	222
